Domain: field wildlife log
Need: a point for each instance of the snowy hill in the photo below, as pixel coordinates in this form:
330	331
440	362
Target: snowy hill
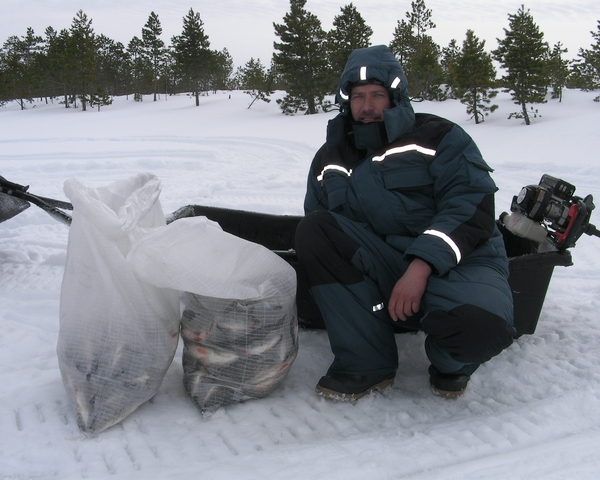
532	412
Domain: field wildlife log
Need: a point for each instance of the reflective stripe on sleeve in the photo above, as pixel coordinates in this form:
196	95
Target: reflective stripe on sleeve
339	168
448	240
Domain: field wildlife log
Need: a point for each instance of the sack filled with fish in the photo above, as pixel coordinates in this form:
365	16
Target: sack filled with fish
118	334
236	350
239	325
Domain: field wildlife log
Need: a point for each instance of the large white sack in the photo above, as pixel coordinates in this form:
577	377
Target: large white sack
118	334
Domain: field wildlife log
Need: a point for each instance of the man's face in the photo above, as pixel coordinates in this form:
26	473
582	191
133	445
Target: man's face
367	103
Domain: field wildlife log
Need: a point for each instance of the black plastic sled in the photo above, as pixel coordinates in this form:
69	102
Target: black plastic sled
530	272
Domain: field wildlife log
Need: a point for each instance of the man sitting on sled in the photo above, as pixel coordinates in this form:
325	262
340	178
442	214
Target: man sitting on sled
400	227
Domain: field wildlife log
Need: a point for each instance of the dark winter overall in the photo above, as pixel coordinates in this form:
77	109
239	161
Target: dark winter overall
380	195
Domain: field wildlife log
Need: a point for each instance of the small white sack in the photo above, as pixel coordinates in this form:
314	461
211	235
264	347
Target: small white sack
118	334
239	326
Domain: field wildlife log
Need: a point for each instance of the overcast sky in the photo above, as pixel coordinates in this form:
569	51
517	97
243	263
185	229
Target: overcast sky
245	27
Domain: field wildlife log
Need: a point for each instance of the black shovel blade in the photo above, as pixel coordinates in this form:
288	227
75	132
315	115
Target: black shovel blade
11	206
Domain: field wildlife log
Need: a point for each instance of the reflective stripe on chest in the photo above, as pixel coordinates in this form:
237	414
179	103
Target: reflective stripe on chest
405	149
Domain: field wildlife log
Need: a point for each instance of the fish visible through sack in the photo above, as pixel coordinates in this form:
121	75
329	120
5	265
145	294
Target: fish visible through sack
107	381
196	336
250	348
273	372
263	347
192	379
104	400
212	396
267	381
238	327
212	357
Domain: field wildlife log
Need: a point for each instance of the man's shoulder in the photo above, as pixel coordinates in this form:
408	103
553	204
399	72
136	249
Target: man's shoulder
429	130
429	120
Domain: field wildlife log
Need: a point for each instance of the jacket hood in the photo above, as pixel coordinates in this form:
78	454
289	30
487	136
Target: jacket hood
372	65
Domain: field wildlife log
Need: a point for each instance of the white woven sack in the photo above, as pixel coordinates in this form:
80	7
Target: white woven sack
118	334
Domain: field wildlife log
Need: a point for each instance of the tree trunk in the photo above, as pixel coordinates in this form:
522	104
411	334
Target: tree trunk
311	106
254	97
525	114
474	107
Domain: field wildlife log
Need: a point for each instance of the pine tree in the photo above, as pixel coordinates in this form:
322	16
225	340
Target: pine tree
46	88
191	52
349	33
20	75
82	52
154	48
169	74
449	57
13	71
524	55
220	69
111	66
32	51
276	76
418	53
558	69
425	70
420	18
474	76
255	81
140	67
404	42
5	96
587	69
58	60
100	98
302	60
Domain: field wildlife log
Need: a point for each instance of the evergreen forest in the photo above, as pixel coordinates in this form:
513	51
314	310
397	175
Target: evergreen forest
81	68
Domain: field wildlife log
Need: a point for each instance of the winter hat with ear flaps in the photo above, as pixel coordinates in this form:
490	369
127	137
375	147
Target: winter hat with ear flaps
372	65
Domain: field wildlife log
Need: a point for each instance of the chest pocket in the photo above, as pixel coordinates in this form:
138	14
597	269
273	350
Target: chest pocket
409	195
409	178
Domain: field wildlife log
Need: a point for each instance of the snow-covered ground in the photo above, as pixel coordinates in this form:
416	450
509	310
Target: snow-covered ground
531	412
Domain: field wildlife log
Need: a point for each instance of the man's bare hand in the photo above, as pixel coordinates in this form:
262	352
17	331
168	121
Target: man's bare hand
406	296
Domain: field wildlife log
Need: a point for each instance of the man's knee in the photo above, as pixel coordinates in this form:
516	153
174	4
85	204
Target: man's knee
325	251
468	333
310	232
